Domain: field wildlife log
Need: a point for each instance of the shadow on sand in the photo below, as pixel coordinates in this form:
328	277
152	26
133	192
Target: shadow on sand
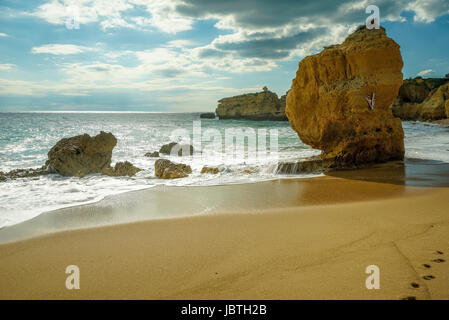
410	172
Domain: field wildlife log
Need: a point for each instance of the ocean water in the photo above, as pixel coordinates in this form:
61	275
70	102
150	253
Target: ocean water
25	139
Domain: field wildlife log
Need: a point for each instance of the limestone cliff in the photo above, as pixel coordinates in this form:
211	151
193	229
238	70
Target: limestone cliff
263	105
422	99
435	106
331	106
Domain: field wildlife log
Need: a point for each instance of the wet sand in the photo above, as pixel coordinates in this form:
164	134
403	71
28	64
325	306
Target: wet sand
285	239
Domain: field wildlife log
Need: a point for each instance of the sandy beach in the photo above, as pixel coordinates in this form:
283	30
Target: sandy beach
186	150
315	246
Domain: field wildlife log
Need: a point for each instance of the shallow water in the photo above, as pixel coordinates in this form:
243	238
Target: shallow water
25	139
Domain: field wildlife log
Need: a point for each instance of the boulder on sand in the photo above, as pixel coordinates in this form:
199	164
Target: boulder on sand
165	169
331	107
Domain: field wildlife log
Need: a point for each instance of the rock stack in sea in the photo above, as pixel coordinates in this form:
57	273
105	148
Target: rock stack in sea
263	105
166	169
83	154
422	99
79	156
331	106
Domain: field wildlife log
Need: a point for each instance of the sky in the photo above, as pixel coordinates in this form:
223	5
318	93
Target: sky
184	55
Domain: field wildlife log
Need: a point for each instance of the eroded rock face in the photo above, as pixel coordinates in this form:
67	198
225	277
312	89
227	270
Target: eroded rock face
418	89
434	107
249	171
310	165
165	169
327	104
180	149
23	173
81	155
154	154
211	170
121	169
422	99
263	105
447	108
283	101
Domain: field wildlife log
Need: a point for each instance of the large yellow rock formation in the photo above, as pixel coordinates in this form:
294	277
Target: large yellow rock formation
327	103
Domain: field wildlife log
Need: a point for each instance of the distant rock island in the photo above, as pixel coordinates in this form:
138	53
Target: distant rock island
423	99
207	115
263	105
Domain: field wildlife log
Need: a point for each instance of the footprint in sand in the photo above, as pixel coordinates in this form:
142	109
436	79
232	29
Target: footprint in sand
439	252
409	298
428	277
414	285
438	260
425	265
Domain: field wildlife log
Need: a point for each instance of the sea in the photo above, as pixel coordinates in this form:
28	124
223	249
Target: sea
26	138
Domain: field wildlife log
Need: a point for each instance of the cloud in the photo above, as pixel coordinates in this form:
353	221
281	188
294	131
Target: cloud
57	12
18	87
160	14
180	44
425	72
254	36
270	47
164	16
6	66
60	49
427	11
267	14
284	28
260	29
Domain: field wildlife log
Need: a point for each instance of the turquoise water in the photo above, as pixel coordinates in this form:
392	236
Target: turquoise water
25	139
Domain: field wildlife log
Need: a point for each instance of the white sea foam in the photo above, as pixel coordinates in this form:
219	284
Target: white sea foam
426	141
26	138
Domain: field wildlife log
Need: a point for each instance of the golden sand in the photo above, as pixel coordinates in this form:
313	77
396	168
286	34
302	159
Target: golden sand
310	249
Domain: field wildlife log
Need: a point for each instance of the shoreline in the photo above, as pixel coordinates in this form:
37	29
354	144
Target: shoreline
313	241
130	194
310	252
410	173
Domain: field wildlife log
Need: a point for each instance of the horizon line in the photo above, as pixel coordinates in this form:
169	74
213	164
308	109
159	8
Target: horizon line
98	111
